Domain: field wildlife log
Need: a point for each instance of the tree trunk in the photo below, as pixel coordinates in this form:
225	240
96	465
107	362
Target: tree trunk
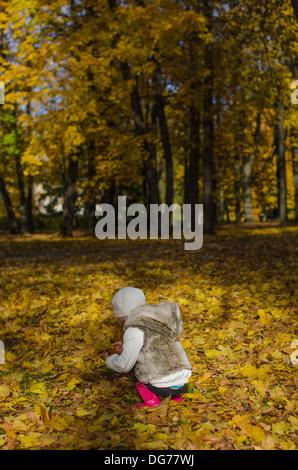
227	212
191	186
237	190
247	169
151	174
29	215
281	163
150	171
107	194
294	149
69	196
295	7
209	222
208	111
164	133
90	190
222	208
12	223
23	209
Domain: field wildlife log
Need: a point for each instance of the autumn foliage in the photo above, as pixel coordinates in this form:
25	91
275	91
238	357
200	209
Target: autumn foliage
162	101
238	295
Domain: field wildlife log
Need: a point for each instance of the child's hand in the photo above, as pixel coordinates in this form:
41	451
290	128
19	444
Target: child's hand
118	347
106	355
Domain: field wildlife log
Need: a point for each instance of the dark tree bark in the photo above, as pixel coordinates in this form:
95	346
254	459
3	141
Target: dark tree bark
237	190
12	223
222	208
69	198
294	151
191	186
295	7
26	216
90	204
150	171
295	173
247	170
149	158
208	127
21	186
164	133
209	219
107	194
281	163
29	197
247	173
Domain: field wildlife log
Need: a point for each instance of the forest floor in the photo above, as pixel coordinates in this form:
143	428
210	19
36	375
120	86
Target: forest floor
237	294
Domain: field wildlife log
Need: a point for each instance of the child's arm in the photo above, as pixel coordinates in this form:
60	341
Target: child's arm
132	344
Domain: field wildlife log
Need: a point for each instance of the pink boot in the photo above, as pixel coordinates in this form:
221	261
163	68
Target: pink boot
177	398
150	399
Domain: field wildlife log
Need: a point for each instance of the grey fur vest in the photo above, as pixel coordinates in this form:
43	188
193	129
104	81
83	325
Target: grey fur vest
162	353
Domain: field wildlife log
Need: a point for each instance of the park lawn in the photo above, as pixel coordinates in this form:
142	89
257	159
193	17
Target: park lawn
237	294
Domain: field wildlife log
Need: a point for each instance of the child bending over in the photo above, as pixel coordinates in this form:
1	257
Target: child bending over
151	350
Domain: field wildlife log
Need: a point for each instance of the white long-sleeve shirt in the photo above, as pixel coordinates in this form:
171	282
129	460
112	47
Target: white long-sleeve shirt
132	343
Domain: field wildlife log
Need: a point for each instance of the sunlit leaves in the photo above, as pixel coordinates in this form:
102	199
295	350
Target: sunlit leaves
239	333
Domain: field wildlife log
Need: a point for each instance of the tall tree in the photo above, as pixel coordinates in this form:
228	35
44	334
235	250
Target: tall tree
294	152
280	162
208	115
295	6
164	133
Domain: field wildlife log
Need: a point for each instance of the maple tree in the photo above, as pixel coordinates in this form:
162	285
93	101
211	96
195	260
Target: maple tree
167	101
164	101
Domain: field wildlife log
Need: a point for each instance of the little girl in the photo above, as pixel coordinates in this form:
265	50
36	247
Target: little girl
151	351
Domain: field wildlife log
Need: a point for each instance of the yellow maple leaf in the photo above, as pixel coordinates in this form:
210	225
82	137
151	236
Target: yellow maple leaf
254	432
4	391
250	370
161	436
226	351
186	343
19	425
39	388
263	316
279	428
183	302
221	334
58	423
212	353
28	439
158	444
83	412
72	384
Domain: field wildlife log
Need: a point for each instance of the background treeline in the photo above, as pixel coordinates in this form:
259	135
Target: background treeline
162	101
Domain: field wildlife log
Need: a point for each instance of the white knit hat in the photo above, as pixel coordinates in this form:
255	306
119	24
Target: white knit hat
127	299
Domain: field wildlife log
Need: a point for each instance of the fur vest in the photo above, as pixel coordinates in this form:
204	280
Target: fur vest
162	353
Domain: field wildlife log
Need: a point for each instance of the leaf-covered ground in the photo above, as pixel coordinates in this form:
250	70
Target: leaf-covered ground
237	294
